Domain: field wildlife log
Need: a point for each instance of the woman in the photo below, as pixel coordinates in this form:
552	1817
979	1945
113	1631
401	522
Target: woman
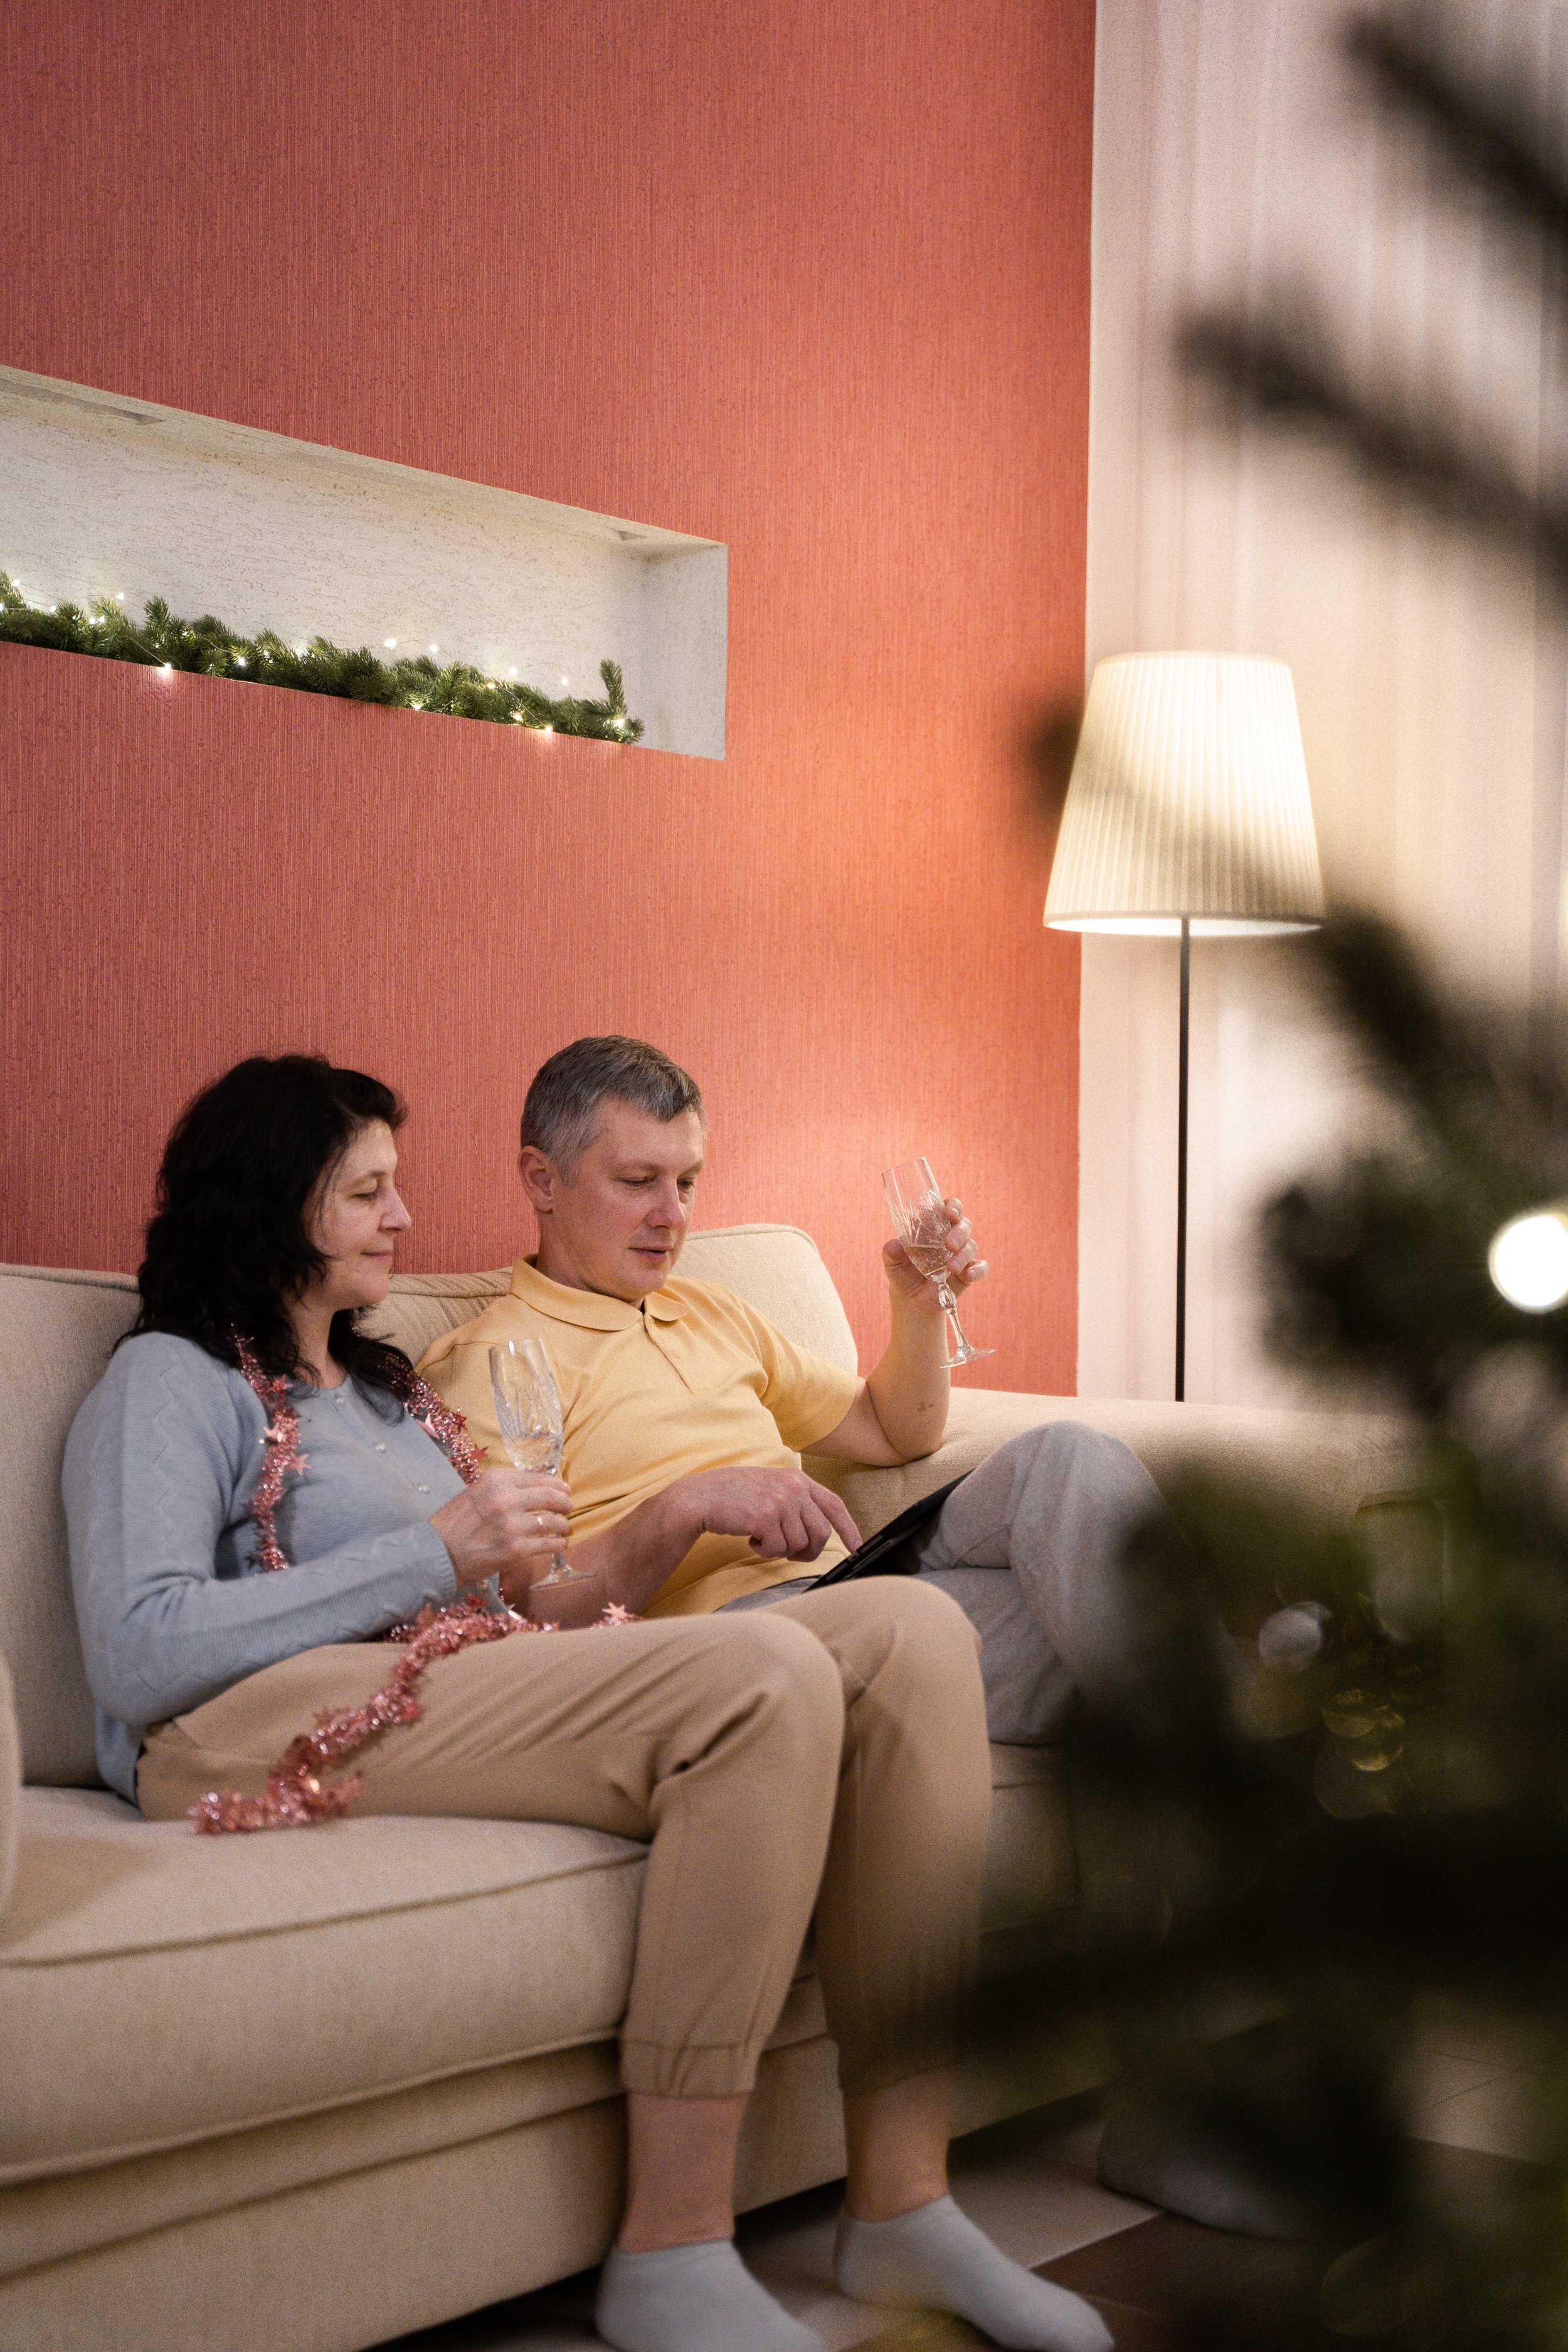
256	1491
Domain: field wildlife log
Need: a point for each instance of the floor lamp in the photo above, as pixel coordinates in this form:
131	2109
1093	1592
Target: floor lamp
1187	816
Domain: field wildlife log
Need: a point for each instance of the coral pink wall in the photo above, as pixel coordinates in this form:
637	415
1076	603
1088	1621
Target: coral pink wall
810	281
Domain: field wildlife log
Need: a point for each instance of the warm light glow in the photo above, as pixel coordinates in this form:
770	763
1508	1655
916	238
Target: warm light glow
1529	1260
390	643
166	670
435	649
1188	797
512	673
1169	926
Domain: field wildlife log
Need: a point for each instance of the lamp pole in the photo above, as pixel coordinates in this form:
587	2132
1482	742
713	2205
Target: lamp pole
1182	1163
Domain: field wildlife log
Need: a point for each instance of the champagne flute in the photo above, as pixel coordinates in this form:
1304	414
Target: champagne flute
919	1209
528	1415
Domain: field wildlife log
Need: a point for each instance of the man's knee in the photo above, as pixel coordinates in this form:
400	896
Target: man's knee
911	1634
784	1669
1061	1441
1068	1453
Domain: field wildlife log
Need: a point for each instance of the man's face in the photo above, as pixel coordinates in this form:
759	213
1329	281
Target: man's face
618	1226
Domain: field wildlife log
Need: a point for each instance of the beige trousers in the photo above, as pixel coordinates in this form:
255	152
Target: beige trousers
828	1754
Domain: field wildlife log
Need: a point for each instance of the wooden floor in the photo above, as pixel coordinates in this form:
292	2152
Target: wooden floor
1162	2284
1168	2285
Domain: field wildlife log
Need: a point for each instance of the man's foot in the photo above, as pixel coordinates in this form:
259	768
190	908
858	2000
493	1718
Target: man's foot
935	2259
693	2299
1161	2158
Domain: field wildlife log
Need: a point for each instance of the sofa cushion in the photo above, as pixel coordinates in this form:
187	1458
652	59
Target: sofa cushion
1031	1862
10	1788
320	1967
309	1967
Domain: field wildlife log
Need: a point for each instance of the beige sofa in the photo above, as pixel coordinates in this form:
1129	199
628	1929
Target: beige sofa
308	2091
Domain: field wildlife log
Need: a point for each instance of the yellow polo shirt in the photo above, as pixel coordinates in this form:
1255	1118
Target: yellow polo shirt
691	1379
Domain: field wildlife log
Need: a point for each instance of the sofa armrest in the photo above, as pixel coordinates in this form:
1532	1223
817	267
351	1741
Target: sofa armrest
10	1787
1338	1460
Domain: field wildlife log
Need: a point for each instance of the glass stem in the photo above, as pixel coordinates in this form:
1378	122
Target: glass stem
950	1308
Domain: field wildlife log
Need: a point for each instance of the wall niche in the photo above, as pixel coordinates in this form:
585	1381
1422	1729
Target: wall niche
101	495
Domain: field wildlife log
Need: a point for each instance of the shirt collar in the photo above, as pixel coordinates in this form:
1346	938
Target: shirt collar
590	1310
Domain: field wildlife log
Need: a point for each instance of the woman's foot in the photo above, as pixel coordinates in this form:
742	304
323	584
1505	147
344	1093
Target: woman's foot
693	2299
935	2259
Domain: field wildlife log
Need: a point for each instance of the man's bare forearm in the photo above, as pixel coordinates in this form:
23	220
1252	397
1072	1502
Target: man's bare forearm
640	1552
910	1389
781	1514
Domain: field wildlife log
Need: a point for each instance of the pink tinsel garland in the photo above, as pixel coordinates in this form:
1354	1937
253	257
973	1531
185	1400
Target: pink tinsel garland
295	1794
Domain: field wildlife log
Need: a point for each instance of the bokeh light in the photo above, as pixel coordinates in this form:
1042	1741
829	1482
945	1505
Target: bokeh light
1529	1260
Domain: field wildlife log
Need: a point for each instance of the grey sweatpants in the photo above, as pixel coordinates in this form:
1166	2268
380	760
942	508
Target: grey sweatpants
1030	1547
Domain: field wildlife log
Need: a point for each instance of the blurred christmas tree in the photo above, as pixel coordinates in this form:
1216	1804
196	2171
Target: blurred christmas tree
1352	1805
1355	1802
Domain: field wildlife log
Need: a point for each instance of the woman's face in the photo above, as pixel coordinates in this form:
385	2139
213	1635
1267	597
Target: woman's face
355	1222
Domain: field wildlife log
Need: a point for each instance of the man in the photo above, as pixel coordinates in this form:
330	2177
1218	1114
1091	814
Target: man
686	1413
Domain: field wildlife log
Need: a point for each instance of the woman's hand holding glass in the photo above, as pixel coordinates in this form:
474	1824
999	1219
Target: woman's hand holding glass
531	1424
509	1524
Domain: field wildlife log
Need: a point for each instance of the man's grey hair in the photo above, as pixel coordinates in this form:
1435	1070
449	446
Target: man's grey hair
561	1113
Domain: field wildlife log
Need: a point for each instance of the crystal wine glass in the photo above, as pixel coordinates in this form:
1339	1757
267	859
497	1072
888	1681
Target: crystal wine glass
528	1415
919	1209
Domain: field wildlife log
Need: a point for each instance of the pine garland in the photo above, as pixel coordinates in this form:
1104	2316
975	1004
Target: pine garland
163	641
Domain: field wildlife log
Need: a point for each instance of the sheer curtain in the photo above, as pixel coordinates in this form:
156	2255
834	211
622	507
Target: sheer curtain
1233	158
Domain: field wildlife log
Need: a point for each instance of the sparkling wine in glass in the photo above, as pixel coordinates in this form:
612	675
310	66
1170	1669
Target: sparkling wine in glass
528	1416
919	1209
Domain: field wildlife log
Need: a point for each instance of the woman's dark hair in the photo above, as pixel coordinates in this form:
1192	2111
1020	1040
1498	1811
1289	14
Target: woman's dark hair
226	1249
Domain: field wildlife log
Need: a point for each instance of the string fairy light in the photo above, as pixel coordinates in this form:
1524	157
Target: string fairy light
163	641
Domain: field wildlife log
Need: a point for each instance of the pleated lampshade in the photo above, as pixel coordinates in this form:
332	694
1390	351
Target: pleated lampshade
1188	799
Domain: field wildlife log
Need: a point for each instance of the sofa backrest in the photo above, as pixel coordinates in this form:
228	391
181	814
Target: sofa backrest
57	1330
775	1269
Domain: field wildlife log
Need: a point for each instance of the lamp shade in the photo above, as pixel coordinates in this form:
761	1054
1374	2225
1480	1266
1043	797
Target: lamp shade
1188	801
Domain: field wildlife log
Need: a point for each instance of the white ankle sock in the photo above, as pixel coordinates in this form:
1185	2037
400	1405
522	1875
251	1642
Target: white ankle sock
936	2260
693	2299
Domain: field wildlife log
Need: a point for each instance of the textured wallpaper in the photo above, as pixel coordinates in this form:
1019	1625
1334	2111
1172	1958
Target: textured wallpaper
814	284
